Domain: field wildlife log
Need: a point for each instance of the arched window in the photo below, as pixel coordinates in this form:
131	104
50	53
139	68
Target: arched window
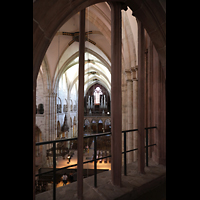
107	122
97	93
87	122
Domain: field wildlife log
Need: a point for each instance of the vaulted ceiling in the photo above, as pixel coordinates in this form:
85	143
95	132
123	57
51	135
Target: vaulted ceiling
62	54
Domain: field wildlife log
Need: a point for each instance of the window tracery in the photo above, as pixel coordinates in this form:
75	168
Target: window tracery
97	93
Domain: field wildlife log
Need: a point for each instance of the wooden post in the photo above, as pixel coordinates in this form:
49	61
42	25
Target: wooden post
34	118
141	98
116	94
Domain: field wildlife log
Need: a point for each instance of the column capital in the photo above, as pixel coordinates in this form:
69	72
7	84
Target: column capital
127	73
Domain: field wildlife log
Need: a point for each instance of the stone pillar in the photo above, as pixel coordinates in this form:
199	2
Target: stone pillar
47	115
135	112
141	98
156	105
116	106
159	109
53	107
129	142
50	116
55	115
124	114
81	104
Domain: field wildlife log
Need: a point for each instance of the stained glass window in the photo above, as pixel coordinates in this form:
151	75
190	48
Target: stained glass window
97	93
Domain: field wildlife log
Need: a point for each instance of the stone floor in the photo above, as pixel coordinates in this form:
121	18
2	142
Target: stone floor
135	186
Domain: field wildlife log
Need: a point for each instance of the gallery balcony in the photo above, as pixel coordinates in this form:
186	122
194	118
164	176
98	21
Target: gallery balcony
99	186
134	185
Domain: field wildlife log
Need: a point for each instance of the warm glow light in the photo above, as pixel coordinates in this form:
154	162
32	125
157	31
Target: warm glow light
73	160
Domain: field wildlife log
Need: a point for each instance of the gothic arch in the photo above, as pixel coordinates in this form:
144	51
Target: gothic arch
94	125
100	126
107	125
47	76
90	84
66	65
45	24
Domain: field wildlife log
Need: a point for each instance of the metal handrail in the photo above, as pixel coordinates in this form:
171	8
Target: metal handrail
93	160
68	139
150	127
130	130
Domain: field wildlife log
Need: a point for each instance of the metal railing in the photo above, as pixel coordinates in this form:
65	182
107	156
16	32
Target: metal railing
95	156
147	140
125	171
147	128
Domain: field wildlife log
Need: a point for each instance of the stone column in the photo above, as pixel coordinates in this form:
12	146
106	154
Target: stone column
55	116
116	106
50	120
47	126
135	111
50	99
53	112
124	114
129	142
141	98
159	111
81	104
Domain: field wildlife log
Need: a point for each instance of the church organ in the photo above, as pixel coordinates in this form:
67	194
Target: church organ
97	101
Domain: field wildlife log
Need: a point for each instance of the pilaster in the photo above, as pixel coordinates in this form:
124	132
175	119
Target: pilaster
134	74
129	98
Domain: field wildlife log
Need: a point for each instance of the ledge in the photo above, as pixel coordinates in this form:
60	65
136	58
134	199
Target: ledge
134	185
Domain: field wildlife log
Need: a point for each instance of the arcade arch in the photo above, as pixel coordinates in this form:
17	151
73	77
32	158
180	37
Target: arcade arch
150	13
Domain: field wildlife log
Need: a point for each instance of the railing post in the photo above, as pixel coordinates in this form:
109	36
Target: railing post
54	171
125	153
147	147
95	164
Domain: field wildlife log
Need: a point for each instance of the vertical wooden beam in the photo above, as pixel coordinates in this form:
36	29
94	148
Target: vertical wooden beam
34	115
81	104
116	98
141	98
